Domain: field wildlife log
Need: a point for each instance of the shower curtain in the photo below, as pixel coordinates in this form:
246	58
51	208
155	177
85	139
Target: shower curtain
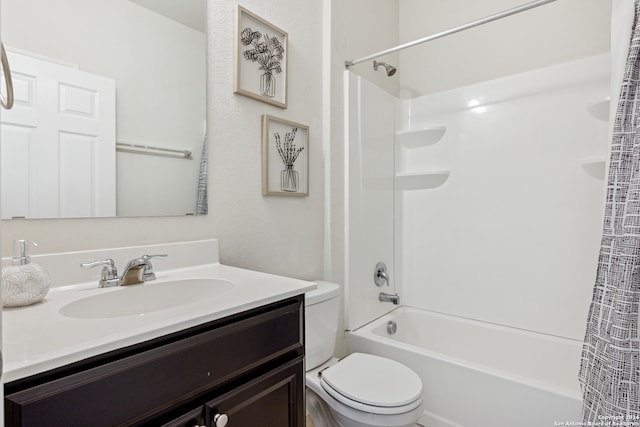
610	365
201	204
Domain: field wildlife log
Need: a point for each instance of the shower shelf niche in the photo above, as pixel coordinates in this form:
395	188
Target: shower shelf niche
420	137
422	180
594	166
600	109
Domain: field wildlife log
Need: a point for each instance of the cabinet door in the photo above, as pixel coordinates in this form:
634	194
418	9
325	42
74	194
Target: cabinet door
275	399
194	418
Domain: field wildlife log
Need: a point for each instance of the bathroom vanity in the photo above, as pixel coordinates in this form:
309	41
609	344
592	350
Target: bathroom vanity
229	358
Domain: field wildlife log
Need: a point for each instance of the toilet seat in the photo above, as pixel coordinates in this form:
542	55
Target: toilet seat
373	384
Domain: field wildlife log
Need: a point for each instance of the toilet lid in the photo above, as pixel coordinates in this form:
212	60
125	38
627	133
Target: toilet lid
380	384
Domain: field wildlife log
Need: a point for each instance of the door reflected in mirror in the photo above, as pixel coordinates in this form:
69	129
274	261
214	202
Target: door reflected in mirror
110	110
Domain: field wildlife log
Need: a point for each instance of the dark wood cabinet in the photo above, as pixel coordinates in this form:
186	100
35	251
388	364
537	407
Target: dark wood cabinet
249	366
271	400
274	399
193	418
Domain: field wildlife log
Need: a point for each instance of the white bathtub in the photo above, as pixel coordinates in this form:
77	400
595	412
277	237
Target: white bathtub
477	374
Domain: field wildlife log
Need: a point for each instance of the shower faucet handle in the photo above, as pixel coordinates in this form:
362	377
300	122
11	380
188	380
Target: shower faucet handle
381	275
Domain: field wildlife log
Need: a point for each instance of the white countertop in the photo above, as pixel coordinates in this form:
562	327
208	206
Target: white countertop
37	338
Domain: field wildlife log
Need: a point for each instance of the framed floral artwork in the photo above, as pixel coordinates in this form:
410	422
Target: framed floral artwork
285	157
260	59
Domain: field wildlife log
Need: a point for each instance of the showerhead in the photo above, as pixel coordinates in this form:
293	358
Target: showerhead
391	70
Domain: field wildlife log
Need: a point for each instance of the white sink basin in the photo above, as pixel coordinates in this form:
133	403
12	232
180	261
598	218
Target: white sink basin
145	298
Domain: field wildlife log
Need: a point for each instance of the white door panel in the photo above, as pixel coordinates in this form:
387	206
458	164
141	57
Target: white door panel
69	164
16	143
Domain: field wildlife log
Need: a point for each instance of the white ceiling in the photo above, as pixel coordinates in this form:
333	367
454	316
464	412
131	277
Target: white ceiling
192	13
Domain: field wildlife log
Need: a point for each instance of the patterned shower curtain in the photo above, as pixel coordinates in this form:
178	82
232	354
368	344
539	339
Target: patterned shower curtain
610	366
201	204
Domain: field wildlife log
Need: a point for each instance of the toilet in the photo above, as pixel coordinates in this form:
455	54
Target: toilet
360	390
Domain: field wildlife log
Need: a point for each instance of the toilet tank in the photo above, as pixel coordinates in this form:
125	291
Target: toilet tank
321	323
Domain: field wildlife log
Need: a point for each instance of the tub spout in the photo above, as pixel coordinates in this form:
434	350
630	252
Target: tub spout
385	297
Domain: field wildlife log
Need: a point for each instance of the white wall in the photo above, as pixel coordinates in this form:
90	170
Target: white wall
556	32
274	234
282	234
142	51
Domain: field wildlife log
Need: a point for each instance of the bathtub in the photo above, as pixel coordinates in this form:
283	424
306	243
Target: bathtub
478	374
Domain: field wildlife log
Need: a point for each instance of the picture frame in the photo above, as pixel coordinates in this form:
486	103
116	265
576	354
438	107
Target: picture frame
285	157
260	59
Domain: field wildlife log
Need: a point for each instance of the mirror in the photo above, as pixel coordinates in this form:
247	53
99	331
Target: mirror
110	109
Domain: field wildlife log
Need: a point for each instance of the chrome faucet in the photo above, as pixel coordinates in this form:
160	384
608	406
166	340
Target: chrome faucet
385	297
133	272
138	270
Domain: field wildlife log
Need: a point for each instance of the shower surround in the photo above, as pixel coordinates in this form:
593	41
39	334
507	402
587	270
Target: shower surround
512	236
494	192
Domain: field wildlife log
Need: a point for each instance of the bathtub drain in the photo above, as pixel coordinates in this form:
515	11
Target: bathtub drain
392	327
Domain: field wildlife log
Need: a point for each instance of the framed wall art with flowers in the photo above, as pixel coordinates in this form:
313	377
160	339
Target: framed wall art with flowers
285	157
260	59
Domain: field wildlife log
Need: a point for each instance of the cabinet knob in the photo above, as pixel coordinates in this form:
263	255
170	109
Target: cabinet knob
220	420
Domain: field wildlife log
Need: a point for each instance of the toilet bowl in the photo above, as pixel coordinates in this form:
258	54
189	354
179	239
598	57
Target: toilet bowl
360	390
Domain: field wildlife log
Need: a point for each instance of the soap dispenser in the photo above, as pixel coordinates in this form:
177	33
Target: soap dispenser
23	282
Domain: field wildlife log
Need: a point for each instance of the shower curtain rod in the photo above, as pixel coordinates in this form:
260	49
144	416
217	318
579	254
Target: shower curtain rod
476	23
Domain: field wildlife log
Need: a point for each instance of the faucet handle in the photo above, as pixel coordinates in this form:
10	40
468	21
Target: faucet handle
381	274
109	275
148	268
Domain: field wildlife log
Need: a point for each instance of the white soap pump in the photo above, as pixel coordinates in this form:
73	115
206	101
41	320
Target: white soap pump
23	282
